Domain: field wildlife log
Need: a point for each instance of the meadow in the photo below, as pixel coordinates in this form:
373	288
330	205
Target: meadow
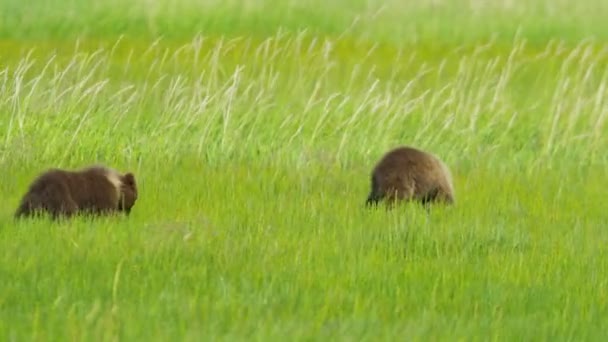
252	128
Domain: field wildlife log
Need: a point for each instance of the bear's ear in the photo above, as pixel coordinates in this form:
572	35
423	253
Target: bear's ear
129	178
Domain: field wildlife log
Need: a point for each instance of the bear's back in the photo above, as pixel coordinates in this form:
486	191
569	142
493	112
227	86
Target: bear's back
412	173
91	190
94	188
418	165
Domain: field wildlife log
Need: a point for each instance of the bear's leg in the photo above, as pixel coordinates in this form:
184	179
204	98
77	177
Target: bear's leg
66	209
373	199
59	201
375	195
403	190
398	194
27	206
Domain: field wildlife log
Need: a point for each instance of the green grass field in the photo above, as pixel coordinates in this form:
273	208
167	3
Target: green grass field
252	128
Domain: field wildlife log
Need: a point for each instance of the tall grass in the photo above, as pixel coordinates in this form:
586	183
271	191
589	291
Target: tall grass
300	93
252	146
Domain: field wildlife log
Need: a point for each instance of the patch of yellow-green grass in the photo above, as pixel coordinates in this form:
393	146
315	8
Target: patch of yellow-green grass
253	148
251	251
454	21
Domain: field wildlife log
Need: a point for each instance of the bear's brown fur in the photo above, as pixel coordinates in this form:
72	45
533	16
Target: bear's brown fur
94	190
406	173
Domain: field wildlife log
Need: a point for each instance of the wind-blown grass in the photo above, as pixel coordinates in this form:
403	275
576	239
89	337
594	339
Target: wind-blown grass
253	153
294	94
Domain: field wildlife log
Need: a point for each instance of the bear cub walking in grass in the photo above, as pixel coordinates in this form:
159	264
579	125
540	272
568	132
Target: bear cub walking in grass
94	190
406	173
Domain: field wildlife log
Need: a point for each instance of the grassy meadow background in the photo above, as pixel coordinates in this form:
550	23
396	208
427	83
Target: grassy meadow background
252	127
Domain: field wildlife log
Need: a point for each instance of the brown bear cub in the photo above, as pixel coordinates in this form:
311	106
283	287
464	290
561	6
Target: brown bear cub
94	190
409	174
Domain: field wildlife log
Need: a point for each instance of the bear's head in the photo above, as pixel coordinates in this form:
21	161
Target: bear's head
128	193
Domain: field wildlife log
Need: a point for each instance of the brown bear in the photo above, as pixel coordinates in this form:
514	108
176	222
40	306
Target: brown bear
409	174
94	190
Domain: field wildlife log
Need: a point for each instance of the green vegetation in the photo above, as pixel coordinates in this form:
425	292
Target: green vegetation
252	128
